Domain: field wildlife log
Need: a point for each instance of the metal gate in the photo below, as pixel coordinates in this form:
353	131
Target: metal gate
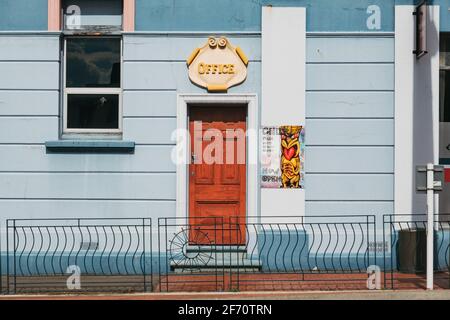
78	255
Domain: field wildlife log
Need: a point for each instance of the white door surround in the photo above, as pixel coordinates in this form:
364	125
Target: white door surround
183	146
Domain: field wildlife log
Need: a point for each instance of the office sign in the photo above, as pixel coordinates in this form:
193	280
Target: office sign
217	65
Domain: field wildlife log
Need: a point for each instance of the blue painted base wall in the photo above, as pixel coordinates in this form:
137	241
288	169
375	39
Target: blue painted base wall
119	265
441	253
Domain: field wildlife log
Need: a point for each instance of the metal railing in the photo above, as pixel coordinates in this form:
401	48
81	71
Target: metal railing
270	253
405	256
219	254
2	289
78	255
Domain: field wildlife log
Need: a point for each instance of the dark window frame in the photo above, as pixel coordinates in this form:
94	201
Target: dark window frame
90	28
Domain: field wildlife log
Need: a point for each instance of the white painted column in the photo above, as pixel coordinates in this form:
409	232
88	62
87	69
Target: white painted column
283	91
404	105
416	106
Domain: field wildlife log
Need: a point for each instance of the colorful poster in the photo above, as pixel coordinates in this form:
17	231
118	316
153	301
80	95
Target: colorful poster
283	157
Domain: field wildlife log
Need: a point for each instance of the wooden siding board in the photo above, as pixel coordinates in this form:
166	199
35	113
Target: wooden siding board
23	103
145	159
29	48
29	75
88	186
362	132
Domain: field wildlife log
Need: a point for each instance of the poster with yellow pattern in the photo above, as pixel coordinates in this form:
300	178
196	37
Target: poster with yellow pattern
283	157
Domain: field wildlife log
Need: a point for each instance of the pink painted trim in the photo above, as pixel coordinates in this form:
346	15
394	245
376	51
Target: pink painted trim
129	9
54	15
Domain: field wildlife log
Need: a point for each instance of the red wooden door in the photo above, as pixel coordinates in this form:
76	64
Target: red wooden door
217	175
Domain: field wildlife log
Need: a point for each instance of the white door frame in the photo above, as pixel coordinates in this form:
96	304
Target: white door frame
183	146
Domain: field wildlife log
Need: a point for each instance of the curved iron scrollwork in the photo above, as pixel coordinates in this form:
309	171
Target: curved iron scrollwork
186	249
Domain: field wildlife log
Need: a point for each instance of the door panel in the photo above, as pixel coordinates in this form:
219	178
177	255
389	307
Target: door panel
204	175
217	175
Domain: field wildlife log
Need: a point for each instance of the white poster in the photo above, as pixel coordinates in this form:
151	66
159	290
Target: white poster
271	158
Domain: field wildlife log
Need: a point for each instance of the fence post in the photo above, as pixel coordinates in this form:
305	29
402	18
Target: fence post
1	258
430	225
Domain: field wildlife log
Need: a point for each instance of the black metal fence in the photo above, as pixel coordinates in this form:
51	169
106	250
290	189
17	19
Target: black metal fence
405	255
218	254
78	255
270	253
2	289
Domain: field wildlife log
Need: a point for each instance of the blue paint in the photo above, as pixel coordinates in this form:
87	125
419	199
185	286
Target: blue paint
153	75
245	15
441	252
56	263
226	15
23	15
283	251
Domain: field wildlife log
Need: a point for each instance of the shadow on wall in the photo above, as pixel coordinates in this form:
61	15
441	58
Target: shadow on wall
425	100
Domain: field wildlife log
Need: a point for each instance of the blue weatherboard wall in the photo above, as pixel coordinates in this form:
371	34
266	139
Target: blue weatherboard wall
346	173
350	88
23	15
226	15
245	15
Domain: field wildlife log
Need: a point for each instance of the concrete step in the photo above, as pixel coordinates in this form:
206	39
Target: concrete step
241	265
218	252
211	258
215	248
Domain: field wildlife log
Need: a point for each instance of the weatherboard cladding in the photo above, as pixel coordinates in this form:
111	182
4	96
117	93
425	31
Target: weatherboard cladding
349	137
226	15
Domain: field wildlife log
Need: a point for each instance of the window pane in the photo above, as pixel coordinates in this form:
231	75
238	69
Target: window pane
92	111
444	78
93	62
444	50
444	99
93	14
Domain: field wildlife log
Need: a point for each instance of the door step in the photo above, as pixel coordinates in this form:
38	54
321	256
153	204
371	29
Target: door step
215	258
216	248
218	252
213	266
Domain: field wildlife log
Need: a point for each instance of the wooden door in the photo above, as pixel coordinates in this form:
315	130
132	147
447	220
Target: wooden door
217	175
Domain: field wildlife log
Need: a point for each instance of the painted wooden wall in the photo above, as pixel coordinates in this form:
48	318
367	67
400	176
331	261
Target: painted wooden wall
227	15
350	128
25	15
350	125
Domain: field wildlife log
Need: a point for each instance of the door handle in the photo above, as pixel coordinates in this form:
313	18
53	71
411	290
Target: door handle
193	158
